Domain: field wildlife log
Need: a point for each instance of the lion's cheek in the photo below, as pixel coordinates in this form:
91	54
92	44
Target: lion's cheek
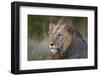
67	42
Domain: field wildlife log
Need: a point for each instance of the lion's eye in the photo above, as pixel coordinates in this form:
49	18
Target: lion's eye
60	35
51	33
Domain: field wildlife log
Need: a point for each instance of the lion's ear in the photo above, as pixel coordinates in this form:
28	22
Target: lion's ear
51	26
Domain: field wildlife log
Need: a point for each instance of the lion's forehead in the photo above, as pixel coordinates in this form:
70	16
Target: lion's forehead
58	29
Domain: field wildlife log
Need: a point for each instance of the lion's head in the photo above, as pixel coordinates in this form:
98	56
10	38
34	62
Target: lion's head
60	38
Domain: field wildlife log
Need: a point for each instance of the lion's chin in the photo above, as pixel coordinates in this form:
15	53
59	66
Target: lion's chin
53	51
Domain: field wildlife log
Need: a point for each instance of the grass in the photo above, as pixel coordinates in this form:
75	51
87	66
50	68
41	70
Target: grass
38	50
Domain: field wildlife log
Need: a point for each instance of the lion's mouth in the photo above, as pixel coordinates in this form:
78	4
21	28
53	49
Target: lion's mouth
58	49
54	50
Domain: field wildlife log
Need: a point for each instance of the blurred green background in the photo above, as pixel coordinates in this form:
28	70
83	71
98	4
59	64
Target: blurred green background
38	33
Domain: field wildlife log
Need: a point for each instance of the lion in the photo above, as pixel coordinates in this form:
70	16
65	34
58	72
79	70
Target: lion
65	41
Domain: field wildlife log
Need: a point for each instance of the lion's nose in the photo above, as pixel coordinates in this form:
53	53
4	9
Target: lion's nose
51	44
